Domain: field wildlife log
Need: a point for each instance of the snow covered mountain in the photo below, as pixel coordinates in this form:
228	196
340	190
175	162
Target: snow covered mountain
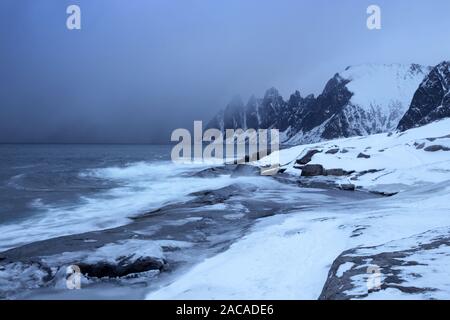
431	101
361	100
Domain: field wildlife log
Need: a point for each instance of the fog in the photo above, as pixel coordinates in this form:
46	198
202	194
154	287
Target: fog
139	69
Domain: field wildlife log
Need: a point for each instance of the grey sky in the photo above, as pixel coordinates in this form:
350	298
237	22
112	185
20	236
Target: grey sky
140	68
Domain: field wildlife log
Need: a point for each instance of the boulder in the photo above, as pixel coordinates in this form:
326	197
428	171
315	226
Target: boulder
436	147
123	268
347	187
311	170
332	151
363	156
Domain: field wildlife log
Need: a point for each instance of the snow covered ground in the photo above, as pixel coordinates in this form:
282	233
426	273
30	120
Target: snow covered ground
331	252
402	160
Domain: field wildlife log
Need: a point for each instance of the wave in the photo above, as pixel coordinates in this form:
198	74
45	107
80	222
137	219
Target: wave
142	187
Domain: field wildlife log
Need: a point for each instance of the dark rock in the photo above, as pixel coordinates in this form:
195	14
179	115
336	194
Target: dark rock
332	111
437	138
431	101
211	197
332	151
311	170
344	151
214	171
363	156
122	268
244	170
336	172
384	193
347	187
307	157
369	171
361	173
393	266
419	145
436	147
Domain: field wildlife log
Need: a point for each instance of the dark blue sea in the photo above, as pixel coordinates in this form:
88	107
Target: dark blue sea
54	190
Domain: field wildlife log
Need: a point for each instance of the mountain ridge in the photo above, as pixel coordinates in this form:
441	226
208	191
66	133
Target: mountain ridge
361	100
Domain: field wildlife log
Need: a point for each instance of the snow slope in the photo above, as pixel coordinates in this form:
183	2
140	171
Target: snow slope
383	88
288	257
303	255
401	159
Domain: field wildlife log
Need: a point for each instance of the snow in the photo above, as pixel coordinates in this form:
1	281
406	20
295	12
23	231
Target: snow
379	87
382	93
269	263
401	164
344	268
289	256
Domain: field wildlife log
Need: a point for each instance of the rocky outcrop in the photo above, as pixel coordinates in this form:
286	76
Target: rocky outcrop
436	147
363	156
312	170
357	273
361	100
431	101
307	157
347	187
124	267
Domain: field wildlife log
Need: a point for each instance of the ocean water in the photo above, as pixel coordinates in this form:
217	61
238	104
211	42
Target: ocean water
53	190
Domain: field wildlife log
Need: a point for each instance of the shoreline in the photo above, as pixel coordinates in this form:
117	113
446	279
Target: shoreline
187	232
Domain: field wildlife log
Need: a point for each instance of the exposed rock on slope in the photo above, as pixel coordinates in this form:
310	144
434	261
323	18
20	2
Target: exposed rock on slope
431	101
361	100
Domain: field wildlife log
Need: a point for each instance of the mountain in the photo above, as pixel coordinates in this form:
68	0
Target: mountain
361	100
431	101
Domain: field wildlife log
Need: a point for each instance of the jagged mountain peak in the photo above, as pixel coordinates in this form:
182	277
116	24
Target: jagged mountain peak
271	93
431	101
360	100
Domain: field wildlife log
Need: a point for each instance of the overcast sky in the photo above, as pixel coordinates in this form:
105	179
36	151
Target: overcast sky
140	68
